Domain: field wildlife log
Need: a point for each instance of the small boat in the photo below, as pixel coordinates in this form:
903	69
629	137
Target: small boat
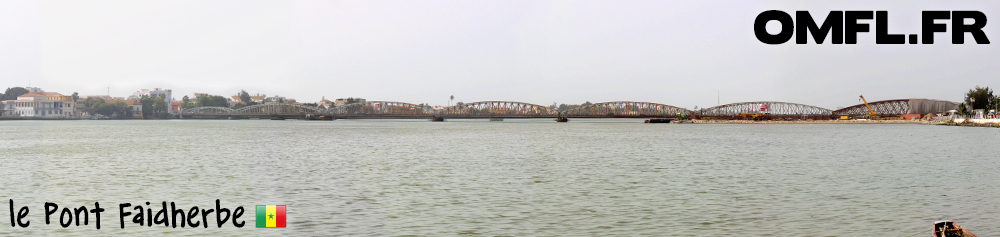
659	120
948	228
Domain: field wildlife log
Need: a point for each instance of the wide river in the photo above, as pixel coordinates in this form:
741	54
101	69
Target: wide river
510	178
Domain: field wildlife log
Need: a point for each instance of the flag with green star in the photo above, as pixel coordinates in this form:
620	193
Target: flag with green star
270	215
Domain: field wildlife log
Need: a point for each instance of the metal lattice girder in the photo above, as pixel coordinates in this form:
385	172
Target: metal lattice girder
770	107
388	108
276	109
626	109
207	111
885	107
497	109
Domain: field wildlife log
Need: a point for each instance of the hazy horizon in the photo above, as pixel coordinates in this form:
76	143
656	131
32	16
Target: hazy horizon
678	53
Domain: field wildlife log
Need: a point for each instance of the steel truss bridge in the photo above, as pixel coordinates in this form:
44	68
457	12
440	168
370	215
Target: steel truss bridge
765	110
885	107
627	109
513	109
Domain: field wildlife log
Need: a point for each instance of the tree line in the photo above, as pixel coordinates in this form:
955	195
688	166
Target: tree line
979	98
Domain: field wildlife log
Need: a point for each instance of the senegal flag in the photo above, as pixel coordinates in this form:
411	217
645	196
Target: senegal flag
270	215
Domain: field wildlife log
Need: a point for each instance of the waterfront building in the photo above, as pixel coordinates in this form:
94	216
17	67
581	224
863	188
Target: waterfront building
106	98
34	90
325	102
278	99
6	108
41	104
175	105
159	92
344	101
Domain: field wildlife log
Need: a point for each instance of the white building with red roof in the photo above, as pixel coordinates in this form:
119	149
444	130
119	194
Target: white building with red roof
42	104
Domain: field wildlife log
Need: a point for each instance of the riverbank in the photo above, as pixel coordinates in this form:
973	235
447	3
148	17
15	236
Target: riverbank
38	118
810	122
956	122
974	122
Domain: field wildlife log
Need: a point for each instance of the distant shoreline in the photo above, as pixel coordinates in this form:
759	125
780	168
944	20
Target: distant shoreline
937	122
697	121
814	122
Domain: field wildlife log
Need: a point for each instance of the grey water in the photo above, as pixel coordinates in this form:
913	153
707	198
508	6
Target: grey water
511	178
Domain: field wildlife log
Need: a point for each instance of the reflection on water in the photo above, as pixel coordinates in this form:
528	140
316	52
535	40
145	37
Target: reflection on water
516	177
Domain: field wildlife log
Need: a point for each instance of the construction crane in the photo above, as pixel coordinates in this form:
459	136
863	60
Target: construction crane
871	113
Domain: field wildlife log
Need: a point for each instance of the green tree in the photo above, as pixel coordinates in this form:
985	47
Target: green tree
212	101
13	92
122	109
245	97
92	101
186	103
996	102
119	109
147	106
104	109
586	103
159	107
76	96
978	98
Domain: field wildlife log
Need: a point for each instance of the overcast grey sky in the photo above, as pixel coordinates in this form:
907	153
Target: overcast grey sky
673	52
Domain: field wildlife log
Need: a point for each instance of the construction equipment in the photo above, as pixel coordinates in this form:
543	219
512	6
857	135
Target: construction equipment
871	113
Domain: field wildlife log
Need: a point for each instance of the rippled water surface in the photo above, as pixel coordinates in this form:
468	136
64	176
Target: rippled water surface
516	178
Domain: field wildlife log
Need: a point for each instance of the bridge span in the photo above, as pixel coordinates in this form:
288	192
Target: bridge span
613	109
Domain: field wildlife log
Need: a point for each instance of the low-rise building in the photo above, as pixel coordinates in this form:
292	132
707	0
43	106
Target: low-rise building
279	100
325	103
158	92
175	105
34	90
344	101
41	104
106	98
6	109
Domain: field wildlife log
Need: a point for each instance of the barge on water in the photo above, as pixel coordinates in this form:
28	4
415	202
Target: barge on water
666	120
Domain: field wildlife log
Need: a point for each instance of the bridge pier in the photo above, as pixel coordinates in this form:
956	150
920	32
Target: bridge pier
562	119
437	119
492	119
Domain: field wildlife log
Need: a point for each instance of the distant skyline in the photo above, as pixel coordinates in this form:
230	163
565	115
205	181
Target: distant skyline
680	53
